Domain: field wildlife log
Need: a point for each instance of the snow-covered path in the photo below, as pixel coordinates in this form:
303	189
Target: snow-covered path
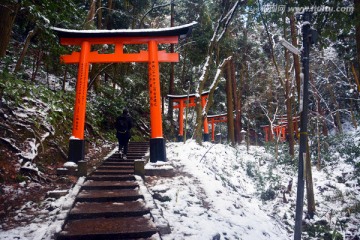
210	196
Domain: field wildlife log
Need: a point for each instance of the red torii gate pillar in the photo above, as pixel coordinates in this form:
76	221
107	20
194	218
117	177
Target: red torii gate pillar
118	38
184	101
268	133
216	119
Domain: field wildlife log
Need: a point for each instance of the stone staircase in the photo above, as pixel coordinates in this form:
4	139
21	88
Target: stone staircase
109	205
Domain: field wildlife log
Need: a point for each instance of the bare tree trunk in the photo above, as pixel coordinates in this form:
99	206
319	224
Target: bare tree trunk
30	35
220	29
296	57
99	17
336	104
271	47
107	19
64	81
37	62
214	84
237	104
318	164
172	75
355	77
8	13
91	15
357	31
248	135
230	107
353	118
288	98
241	90
318	107
309	185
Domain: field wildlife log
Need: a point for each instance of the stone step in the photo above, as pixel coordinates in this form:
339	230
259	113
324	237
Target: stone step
108	228
129	156
112	177
116	167
83	210
98	185
117	163
109	205
108	195
113	172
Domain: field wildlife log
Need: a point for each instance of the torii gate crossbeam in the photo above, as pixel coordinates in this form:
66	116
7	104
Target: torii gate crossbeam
150	37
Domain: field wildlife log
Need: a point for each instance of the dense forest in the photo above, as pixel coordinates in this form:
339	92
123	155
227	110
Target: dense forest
234	52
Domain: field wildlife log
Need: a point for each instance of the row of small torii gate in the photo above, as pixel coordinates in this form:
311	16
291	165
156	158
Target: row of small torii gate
279	130
86	39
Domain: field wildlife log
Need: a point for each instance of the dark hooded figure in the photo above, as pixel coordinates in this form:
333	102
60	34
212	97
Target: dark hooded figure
123	126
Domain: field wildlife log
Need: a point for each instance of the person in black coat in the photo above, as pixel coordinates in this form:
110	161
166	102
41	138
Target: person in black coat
123	127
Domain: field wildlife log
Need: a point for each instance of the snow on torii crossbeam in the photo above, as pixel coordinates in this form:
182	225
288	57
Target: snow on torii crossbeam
150	37
183	101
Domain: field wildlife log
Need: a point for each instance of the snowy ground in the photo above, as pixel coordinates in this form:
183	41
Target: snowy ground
217	192
210	196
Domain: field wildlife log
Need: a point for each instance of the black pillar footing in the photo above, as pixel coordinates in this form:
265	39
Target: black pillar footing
157	150
206	137
76	150
180	138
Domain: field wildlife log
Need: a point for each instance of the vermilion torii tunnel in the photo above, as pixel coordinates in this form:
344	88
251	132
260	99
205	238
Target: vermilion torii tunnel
118	38
184	101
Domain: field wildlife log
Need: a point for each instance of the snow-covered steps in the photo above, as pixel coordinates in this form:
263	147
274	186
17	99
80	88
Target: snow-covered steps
97	185
109	205
108	195
109	229
83	210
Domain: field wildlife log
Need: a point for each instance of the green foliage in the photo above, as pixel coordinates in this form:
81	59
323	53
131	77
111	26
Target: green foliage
20	178
268	194
104	108
339	146
284	158
322	230
250	169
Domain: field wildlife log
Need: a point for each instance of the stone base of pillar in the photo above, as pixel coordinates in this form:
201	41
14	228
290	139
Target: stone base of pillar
139	168
157	150
76	150
206	137
180	138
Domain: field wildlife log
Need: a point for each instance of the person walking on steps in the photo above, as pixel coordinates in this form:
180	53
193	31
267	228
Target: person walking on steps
123	126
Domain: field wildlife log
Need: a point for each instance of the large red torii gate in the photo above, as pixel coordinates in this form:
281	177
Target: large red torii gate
150	37
212	119
183	101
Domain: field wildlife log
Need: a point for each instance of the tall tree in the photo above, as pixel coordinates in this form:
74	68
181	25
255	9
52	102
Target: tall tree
221	28
8	11
172	71
229	104
237	103
357	30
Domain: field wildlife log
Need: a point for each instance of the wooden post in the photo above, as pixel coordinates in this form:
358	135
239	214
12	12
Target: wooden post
181	120
206	126
212	130
77	142
157	142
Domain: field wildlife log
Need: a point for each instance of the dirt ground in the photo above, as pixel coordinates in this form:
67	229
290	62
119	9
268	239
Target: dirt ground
23	197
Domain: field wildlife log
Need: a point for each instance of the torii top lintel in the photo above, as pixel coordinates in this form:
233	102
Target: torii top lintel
120	37
185	96
181	99
217	118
